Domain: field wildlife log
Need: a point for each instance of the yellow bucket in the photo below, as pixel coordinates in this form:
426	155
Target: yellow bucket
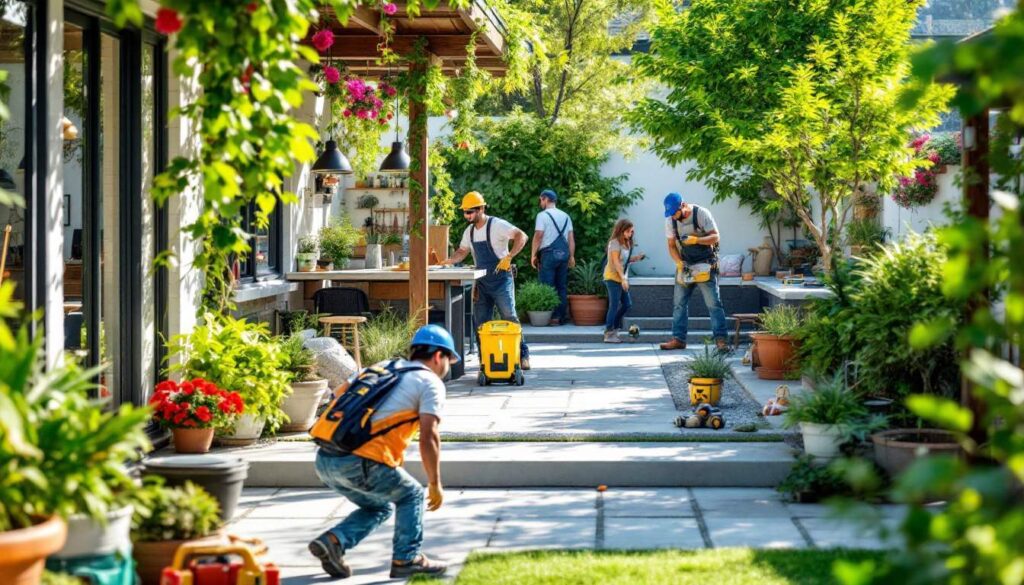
499	351
705	390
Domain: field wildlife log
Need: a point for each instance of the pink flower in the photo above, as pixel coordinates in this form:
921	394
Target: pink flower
377	103
374	114
362	114
347	113
904	181
933	156
167	21
390	8
331	74
356	88
922	178
323	39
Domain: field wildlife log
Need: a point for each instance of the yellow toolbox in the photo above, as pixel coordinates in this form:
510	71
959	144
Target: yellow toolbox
204	564
499	353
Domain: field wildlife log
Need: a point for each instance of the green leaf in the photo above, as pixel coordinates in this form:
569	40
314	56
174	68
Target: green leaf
942	411
925	335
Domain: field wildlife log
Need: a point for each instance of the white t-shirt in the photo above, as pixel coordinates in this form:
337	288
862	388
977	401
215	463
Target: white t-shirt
550	229
704	220
418	391
501	234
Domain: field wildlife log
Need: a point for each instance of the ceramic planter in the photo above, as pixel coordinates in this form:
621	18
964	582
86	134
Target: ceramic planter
324	264
540	318
705	390
776	354
87	537
301	405
192	440
152	557
588	309
374	255
305	262
821	440
896	449
221	476
248	429
23	551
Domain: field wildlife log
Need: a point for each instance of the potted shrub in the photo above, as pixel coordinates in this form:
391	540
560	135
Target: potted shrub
896	449
825	417
305	258
706	373
53	431
308	389
776	344
337	242
193	410
240	357
539	301
167	517
587	300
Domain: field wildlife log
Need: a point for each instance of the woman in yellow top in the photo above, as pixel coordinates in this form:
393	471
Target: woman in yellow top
616	278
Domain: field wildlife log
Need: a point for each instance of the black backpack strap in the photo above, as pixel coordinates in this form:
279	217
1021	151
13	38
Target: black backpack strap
696	226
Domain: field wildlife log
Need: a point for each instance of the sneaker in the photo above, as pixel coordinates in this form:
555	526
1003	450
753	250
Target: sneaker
328	549
611	336
524	363
420	566
673	344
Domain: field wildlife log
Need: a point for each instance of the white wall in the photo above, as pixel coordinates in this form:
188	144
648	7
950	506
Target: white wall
902	221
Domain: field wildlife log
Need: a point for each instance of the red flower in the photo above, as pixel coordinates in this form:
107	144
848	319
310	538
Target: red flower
382	121
181	416
188	388
347	113
203	413
225	406
167	21
323	39
331	74
251	7
189	423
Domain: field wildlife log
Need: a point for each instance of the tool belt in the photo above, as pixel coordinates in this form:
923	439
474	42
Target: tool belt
695	273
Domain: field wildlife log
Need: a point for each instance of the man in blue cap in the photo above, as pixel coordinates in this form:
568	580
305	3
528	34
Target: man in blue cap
371	476
554	251
692	237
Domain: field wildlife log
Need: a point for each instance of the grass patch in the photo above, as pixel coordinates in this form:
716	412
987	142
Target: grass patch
738	566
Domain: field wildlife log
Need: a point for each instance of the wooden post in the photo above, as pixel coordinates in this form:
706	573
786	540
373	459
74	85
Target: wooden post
976	202
418	189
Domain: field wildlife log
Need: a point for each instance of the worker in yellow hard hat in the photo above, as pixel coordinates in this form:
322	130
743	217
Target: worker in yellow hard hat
489	238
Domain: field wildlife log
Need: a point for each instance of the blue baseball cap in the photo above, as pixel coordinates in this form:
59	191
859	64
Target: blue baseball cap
672	203
549	195
436	336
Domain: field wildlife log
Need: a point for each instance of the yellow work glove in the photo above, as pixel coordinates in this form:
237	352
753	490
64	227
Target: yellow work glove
679	266
435	496
504	264
690	241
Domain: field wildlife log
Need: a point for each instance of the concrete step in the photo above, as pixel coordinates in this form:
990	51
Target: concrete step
493	465
595	334
696	323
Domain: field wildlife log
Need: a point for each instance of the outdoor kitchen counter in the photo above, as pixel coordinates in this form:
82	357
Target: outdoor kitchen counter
388	275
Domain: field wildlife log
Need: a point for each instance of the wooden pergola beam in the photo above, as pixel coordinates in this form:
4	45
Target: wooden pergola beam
367	18
367	46
475	18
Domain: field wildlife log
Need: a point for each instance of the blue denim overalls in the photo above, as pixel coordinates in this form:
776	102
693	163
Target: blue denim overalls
495	289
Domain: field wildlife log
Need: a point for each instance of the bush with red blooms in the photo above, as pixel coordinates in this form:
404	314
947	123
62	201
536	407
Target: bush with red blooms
195	404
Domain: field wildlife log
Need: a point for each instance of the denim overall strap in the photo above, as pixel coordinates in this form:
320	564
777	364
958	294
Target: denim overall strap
559	249
483	253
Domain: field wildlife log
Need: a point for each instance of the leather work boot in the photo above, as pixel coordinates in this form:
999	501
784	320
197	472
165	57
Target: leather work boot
721	344
524	363
673	344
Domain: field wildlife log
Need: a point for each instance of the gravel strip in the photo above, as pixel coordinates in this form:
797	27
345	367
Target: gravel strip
738	406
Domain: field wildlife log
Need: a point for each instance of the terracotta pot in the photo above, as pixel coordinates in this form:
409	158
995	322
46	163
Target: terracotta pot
23	551
896	449
301	405
776	353
588	309
152	557
192	440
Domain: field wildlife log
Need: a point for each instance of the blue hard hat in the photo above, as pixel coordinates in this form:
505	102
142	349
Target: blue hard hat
436	336
672	203
549	194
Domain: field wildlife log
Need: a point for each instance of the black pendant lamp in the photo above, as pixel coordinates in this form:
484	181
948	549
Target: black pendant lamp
332	161
397	161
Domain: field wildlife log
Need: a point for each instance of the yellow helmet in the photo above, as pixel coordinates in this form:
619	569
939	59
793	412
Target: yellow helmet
473	199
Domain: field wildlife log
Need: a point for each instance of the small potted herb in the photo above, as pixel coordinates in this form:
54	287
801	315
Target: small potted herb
305	258
166	518
193	410
337	243
775	345
539	300
707	372
825	417
308	389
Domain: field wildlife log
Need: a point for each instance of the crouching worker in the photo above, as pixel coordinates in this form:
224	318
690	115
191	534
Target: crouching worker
362	438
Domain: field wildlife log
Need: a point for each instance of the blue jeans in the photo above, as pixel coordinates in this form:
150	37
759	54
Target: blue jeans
501	293
712	300
619	303
374	487
556	273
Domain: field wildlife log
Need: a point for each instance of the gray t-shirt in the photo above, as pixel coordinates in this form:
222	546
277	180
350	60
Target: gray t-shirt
418	391
704	220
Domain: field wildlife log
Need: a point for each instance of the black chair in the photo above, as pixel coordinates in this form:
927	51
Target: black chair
338	300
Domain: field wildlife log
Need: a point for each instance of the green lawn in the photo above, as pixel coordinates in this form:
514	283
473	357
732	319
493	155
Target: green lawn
666	567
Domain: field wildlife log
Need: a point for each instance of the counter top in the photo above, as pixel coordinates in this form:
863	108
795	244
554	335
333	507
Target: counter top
768	284
388	275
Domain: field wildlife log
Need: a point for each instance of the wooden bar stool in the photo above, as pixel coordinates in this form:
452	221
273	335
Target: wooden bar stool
744	319
348	333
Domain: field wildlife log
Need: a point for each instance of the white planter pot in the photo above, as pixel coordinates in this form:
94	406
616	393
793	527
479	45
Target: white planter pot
821	440
373	256
301	405
248	429
305	262
86	537
540	318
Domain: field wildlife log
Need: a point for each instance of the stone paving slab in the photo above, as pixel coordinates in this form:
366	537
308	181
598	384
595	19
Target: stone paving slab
648	503
770	532
652	533
544	533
